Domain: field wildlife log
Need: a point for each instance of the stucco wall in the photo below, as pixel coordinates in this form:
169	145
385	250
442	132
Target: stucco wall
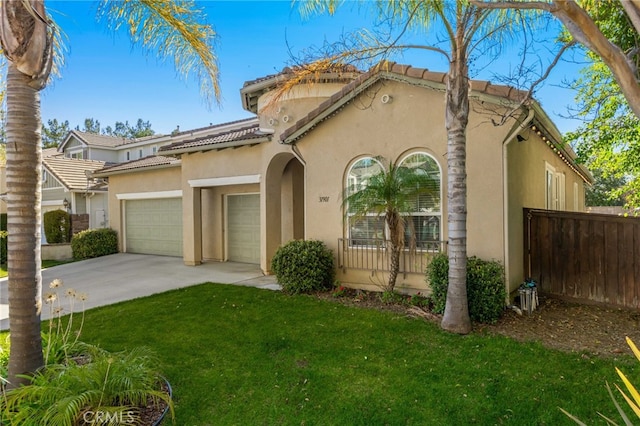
413	121
526	183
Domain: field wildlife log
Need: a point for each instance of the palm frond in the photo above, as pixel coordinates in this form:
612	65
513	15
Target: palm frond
173	30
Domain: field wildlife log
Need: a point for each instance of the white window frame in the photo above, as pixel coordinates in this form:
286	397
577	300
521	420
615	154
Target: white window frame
555	188
428	214
576	197
550	188
352	181
561	191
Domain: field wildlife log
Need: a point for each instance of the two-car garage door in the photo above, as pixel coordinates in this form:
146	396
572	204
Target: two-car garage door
154	226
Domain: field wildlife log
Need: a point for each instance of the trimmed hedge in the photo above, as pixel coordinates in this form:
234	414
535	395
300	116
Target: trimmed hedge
57	226
94	243
304	266
485	287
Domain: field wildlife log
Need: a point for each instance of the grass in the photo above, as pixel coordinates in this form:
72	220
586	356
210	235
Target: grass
238	355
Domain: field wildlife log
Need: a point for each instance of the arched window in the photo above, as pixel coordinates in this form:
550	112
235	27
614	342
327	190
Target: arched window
426	217
364	230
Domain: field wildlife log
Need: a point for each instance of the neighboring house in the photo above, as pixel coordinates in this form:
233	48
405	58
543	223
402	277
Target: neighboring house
65	187
65	184
237	191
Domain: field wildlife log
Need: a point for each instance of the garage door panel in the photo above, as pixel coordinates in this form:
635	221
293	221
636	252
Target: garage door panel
154	226
243	226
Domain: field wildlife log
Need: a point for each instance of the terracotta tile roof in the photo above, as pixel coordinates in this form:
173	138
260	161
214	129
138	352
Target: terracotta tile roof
387	70
71	171
93	139
244	135
253	89
289	71
149	161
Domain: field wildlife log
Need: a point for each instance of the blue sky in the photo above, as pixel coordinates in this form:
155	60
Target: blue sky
108	79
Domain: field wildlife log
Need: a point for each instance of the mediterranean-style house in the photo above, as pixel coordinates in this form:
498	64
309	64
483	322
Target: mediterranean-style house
237	191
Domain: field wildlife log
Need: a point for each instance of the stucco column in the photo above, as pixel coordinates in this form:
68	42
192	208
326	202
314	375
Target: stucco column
270	219
191	226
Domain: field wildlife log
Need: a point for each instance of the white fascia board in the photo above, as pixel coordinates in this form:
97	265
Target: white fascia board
224	181
52	203
149	195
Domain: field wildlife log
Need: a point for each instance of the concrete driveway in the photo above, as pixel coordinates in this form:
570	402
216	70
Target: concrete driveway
124	276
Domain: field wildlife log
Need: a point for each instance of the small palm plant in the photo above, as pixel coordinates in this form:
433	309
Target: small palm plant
111	387
394	194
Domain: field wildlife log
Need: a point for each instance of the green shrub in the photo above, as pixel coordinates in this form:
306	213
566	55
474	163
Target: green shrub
485	290
304	266
485	287
438	279
94	243
57	226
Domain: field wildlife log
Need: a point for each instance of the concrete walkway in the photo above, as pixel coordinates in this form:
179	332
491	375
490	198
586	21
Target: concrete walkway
124	276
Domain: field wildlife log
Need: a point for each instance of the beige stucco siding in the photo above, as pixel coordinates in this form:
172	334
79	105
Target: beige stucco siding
413	121
148	181
526	169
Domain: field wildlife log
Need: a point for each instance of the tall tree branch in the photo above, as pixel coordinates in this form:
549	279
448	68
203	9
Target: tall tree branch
583	29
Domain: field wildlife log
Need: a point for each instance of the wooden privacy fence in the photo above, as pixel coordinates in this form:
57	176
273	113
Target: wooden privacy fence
585	256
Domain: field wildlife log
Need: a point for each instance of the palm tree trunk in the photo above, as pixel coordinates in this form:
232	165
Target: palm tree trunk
394	266
23	224
456	313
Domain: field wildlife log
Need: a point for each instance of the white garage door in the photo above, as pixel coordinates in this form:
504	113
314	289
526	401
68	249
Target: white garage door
243	228
154	226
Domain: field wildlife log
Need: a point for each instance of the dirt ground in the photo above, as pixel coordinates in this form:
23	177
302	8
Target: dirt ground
557	324
573	327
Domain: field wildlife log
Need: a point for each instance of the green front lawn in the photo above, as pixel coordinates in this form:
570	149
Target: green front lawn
238	355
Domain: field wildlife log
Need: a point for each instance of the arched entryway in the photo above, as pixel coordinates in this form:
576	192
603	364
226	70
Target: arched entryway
284	204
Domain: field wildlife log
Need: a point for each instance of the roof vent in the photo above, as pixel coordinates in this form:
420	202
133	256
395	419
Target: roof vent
285	119
273	122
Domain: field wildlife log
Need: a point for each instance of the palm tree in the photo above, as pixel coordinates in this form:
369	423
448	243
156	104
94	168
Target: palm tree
466	30
394	194
174	28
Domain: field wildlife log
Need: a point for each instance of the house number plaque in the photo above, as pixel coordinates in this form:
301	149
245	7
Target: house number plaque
324	199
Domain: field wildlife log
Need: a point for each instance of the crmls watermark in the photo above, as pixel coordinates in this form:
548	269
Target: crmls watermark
107	418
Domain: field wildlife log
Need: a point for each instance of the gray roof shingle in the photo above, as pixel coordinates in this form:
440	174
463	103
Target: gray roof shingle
71	171
247	133
149	161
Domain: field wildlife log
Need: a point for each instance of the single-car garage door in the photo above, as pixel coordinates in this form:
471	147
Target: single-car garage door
243	228
154	226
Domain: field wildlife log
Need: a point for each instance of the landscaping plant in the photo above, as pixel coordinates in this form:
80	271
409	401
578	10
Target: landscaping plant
80	383
109	389
94	243
485	287
304	266
57	226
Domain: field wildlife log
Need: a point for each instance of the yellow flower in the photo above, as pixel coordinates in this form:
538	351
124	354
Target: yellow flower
55	283
82	297
71	292
50	297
